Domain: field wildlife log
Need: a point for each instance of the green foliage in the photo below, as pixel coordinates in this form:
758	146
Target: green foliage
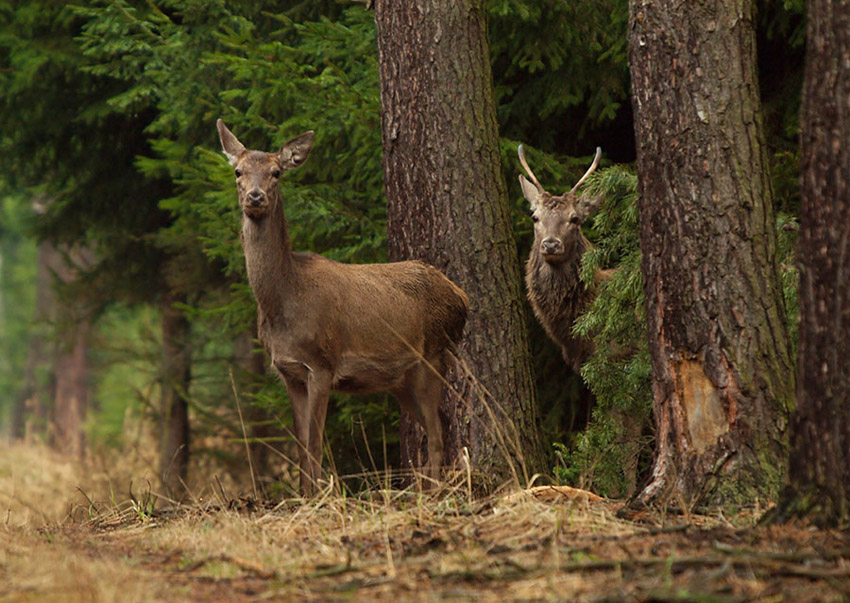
17	298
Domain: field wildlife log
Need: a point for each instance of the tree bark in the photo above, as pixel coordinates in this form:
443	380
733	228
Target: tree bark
447	205
819	472
722	372
174	391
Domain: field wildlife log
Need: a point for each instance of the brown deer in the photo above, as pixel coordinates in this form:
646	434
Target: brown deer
354	328
557	294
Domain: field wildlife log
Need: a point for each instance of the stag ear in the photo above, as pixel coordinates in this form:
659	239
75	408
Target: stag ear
295	152
530	192
229	144
588	205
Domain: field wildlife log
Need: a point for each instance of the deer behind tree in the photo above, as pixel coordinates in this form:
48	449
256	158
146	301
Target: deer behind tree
556	293
354	328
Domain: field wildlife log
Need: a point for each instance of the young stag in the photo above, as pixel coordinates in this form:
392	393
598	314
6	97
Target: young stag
354	328
557	294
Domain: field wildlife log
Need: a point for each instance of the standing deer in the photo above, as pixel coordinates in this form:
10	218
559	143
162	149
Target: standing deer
354	328
557	294
555	290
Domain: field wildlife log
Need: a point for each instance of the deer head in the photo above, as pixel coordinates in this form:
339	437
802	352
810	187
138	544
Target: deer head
257	173
558	219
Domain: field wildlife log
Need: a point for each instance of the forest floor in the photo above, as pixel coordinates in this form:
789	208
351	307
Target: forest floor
66	535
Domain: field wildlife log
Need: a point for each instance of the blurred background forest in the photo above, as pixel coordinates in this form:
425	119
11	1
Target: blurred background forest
122	282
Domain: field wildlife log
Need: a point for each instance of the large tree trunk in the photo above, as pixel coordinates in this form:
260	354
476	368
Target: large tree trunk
721	361
447	205
174	389
820	428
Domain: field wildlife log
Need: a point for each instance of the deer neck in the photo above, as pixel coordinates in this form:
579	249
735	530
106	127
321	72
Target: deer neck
269	261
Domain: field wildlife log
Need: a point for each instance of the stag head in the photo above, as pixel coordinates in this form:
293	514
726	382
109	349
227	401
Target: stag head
257	173
558	218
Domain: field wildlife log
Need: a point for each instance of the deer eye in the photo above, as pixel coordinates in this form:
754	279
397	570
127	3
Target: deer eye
276	174
238	173
535	219
574	220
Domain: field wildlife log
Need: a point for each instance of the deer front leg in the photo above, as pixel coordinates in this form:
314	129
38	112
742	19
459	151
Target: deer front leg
318	395
301	425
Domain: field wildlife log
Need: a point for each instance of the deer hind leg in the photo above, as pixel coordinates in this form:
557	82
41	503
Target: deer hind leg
428	393
301	423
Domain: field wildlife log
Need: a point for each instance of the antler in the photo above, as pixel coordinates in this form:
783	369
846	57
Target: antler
521	152
588	172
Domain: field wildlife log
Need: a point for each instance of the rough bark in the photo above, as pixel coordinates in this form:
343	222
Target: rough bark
721	362
820	428
174	392
447	205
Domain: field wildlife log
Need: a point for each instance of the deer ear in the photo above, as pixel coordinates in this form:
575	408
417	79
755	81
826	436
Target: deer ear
530	192
588	205
229	144
295	152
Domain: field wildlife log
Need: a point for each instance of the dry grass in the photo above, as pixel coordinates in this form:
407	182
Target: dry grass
57	544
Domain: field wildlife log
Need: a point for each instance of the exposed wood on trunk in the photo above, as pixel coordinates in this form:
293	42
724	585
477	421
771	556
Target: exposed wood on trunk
722	376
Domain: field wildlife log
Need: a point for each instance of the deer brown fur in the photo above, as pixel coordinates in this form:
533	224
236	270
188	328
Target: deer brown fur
354	328
555	291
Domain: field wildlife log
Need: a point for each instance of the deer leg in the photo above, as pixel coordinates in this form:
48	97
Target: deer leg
428	395
301	424
318	395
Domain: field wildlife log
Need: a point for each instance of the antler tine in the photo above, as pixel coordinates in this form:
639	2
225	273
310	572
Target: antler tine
521	152
589	170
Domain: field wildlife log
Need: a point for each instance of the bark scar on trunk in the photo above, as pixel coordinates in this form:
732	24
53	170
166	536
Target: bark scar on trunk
704	413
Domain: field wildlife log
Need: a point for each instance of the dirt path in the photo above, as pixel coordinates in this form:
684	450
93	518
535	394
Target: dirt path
343	549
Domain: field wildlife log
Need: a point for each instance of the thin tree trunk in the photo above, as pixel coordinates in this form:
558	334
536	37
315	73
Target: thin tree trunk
447	205
261	423
70	368
70	401
819	473
722	371
174	387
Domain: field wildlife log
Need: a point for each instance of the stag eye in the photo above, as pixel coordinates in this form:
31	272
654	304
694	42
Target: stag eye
238	173
535	219
574	220
276	174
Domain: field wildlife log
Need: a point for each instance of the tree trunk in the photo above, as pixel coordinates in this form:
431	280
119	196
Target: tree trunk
174	388
70	368
447	205
260	423
721	362
72	391
820	428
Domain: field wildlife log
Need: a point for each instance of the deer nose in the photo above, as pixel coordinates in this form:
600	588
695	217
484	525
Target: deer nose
551	245
255	197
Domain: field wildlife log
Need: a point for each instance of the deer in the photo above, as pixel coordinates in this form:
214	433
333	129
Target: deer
555	291
329	326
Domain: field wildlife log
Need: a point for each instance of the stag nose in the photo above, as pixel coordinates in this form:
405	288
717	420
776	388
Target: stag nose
551	245
256	197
